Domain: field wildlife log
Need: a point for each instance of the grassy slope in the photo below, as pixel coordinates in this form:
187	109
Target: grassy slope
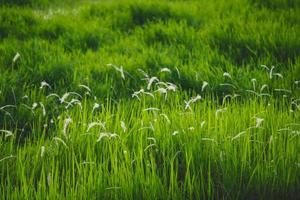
198	41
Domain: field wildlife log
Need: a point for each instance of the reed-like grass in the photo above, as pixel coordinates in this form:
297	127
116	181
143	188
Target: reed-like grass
149	100
249	150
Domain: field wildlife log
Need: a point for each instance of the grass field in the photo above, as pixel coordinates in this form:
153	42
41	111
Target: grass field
150	99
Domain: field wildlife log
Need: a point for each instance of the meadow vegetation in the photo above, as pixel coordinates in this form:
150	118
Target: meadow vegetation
151	99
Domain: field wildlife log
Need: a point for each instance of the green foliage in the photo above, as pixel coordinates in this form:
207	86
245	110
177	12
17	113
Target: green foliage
277	4
17	22
35	3
240	141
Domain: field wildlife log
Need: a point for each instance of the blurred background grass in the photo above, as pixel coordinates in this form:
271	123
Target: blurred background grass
67	43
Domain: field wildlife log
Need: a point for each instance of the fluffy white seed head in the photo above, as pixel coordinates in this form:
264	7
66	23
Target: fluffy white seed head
204	85
85	87
226	74
175	133
151	81
123	126
106	135
238	135
259	121
94	124
119	69
43	108
7	133
42	151
165	70
66	125
202	124
95	107
34	105
16	57
44	84
221	110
